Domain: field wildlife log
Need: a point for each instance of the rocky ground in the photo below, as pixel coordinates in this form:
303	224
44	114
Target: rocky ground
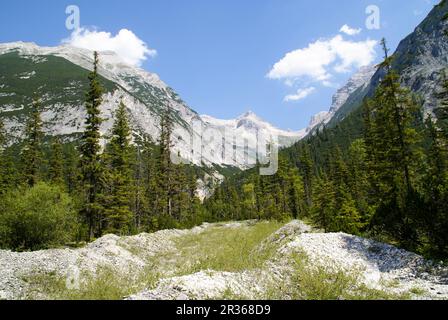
379	265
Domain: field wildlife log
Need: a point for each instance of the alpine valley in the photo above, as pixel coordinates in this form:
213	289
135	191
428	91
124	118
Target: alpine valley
92	205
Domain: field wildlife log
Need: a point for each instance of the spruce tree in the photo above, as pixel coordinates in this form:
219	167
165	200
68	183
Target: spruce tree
435	217
164	174
32	157
393	143
90	162
56	163
117	213
359	183
324	203
138	198
306	170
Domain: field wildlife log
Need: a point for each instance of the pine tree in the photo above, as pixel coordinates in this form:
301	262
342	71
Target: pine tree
56	163
164	187
32	150
150	184
117	214
435	217
358	182
296	194
306	168
90	162
180	198
138	198
347	217
324	203
393	148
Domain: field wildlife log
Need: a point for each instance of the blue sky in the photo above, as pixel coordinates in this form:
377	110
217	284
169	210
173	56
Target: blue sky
225	57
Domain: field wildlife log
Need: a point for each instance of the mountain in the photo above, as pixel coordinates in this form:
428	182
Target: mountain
357	83
421	59
246	129
59	76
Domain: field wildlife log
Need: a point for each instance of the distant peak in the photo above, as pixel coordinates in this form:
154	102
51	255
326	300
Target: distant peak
250	115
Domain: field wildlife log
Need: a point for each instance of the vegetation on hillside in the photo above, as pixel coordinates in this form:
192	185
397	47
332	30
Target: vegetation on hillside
85	189
381	172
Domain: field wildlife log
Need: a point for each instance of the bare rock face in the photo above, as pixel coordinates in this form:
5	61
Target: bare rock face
359	81
421	59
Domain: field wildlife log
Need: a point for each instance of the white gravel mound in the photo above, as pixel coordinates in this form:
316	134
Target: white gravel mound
380	265
202	286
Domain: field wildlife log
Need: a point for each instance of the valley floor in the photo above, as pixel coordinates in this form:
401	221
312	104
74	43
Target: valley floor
237	260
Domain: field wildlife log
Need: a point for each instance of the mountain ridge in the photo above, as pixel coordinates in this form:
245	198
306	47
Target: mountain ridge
144	94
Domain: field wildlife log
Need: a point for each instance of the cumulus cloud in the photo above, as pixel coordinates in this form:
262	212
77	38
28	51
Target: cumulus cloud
125	44
300	94
322	58
350	31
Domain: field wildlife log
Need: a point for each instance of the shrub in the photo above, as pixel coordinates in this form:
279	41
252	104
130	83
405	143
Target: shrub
36	218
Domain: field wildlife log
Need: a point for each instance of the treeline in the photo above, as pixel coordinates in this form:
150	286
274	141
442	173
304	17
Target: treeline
382	172
54	192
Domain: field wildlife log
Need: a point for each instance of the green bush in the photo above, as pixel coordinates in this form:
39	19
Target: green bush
36	218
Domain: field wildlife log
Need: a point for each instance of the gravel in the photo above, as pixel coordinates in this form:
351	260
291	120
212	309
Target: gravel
380	265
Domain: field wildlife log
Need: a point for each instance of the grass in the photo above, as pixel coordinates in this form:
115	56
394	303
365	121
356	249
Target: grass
105	284
226	249
314	282
220	248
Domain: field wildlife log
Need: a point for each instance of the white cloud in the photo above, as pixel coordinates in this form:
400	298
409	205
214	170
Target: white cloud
125	44
350	31
300	94
322	58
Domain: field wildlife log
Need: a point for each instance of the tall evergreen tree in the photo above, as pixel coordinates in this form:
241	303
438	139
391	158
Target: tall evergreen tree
32	150
90	162
56	163
118	216
306	168
164	187
435	216
393	146
324	203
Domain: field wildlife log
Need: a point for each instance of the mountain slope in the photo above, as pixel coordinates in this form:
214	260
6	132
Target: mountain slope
420	59
359	82
59	76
